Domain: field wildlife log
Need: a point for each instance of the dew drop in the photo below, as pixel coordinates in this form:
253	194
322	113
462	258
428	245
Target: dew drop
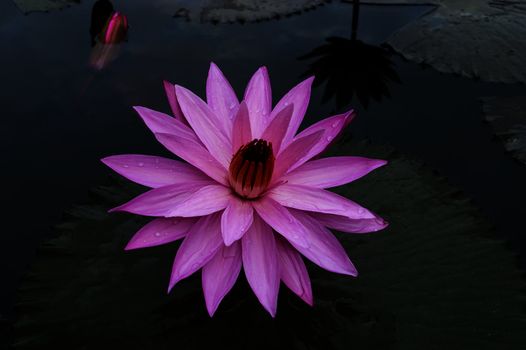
335	124
157	234
126	166
141	164
329	138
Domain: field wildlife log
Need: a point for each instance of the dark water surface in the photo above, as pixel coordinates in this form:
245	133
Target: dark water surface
60	116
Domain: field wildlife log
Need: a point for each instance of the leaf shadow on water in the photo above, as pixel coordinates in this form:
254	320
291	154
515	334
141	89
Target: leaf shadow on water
434	278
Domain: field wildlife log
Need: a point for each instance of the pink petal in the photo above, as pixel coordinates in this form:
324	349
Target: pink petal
293	271
277	128
261	265
281	220
206	200
324	249
161	231
169	88
331	126
241	132
299	96
208	126
220	274
332	172
161	201
344	224
236	220
295	155
153	171
198	248
162	123
258	97
195	154
220	96
318	200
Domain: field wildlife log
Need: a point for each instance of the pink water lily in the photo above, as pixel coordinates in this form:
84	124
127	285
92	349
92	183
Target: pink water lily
250	194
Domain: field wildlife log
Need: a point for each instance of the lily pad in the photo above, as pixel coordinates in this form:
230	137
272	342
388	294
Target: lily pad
507	117
230	11
475	38
434	278
28	6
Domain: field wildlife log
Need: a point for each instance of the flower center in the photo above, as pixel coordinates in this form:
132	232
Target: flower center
251	168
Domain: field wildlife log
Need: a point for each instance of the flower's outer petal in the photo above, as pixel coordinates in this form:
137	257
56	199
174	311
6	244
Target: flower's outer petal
295	155
153	171
299	96
344	224
161	231
161	201
169	88
198	248
220	274
281	220
324	249
293	271
332	127
220	96
260	264
332	172
206	200
258	96
318	200
236	220
162	123
241	132
195	154
277	128
208	126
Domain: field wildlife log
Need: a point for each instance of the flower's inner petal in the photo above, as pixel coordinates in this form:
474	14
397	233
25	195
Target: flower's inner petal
169	88
241	132
198	248
221	97
258	97
210	129
332	127
161	231
260	264
206	200
318	200
275	132
195	154
236	220
298	96
251	169
293	271
295	154
153	171
162	123
220	274
332	172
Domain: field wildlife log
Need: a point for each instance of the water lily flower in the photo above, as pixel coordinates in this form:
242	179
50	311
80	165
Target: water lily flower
250	194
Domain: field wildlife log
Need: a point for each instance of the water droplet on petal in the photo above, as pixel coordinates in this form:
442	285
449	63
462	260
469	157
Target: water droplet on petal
329	138
335	124
126	166
157	234
141	164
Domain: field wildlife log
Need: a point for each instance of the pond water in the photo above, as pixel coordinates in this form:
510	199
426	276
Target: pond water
61	115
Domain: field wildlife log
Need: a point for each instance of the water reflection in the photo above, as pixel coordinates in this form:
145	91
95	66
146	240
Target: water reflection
108	29
351	67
